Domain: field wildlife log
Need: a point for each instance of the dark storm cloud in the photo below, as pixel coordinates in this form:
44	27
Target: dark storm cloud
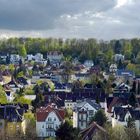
101	19
41	14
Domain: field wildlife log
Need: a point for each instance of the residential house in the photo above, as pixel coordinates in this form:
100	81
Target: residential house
24	81
54	56
15	58
83	113
92	131
14	85
29	57
113	68
117	99
61	87
11	118
88	64
38	57
80	76
125	75
121	115
118	57
48	120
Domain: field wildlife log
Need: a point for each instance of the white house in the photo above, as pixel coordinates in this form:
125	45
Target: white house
113	68
30	57
38	57
14	85
54	56
69	104
48	120
14	58
83	113
122	114
88	63
118	57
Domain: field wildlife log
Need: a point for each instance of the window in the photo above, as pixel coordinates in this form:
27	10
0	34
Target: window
54	119
49	119
81	123
91	113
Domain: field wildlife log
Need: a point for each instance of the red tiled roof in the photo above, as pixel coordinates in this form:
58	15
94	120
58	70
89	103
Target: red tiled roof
43	112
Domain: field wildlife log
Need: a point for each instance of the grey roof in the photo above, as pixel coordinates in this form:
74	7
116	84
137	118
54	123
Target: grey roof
92	103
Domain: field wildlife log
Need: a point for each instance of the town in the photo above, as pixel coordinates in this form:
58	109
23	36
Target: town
56	89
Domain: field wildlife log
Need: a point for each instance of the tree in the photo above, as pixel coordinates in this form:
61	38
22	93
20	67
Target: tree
99	117
117	133
66	132
67	71
22	51
118	47
29	120
132	100
3	98
130	123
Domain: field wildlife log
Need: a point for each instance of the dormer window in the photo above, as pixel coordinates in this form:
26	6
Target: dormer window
49	119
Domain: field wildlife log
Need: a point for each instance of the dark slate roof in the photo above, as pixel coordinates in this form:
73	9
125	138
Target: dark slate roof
59	85
125	73
121	111
88	86
22	80
13	82
92	103
124	95
12	113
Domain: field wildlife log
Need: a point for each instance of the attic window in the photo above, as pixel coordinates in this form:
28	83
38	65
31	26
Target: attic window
49	119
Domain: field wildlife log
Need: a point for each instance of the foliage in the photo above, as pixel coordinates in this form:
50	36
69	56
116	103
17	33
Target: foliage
99	117
3	99
22	51
29	91
66	132
101	52
22	100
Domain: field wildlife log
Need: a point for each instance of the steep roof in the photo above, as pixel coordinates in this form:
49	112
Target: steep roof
43	112
92	103
89	132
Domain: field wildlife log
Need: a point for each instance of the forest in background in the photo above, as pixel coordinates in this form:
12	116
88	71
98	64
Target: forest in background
101	52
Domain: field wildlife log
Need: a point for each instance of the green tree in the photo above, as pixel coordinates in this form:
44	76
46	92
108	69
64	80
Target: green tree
3	98
66	132
22	51
100	117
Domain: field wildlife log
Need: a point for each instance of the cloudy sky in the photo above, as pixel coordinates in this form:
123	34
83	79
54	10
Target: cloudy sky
101	19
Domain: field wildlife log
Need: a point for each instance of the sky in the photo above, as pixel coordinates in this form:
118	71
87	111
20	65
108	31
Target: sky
100	19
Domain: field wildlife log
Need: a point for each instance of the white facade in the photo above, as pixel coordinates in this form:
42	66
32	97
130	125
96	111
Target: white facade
88	63
119	57
115	121
83	115
38	57
70	104
113	68
30	57
49	126
54	56
14	58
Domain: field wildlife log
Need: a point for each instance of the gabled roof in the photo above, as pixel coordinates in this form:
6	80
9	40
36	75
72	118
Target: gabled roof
89	132
43	112
91	103
22	80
